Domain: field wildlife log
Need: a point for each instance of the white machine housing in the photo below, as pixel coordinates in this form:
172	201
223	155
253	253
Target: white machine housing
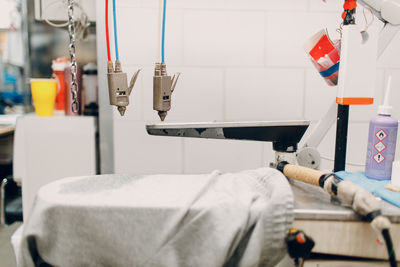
49	148
57	10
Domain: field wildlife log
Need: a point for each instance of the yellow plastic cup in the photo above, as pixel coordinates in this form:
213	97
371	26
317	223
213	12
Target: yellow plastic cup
44	96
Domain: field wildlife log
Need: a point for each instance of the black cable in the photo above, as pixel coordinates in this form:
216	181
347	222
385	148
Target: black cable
389	245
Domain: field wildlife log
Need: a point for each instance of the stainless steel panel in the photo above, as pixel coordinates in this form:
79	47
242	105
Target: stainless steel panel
268	131
313	203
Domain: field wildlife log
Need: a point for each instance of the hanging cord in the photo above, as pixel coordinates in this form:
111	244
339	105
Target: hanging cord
81	24
56	25
367	24
340	30
390	248
115	32
107	34
160	5
163	33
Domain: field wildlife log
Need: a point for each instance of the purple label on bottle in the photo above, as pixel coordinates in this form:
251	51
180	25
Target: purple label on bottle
381	150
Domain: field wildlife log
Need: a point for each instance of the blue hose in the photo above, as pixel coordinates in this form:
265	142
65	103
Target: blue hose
163	33
115	32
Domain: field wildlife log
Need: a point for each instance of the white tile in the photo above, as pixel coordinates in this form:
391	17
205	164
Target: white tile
357	145
224	38
391	57
198	96
288	31
394	91
268	154
128	3
366	112
326	166
149	115
205	155
327	150
136	152
264	94
233	4
138	36
174	38
273	5
318	95
329	5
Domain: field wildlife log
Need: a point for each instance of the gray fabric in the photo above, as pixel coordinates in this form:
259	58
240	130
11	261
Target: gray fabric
232	219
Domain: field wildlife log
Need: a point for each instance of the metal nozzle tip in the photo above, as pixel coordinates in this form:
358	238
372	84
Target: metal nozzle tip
162	115
122	110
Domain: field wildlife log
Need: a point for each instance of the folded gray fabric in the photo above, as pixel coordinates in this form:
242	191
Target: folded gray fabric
232	219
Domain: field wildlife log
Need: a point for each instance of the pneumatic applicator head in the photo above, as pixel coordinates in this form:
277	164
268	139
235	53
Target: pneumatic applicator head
163	87
122	110
118	88
162	115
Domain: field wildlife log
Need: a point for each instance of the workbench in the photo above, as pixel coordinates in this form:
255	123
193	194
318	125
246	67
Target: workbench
6	130
337	230
6	144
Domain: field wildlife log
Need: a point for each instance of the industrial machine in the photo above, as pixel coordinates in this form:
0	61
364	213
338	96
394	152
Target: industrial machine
307	155
313	208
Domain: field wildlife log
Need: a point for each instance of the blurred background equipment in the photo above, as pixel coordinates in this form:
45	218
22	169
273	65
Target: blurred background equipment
54	10
90	98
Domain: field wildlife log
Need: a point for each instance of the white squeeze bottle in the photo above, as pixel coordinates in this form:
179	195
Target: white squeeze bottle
381	141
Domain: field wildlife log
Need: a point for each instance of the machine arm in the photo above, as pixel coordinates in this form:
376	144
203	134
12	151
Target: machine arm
388	11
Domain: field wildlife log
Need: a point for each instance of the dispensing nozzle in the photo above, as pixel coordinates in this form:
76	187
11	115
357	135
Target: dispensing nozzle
385	108
118	88
163	87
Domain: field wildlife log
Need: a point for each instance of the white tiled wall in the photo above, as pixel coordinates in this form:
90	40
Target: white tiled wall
240	60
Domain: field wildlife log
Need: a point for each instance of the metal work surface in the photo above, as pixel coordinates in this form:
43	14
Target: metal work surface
6	130
312	203
269	131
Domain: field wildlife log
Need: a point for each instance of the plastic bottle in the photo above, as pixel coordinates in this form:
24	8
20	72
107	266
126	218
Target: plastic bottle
58	67
381	141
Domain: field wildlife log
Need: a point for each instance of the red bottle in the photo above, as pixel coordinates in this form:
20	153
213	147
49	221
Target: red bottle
58	67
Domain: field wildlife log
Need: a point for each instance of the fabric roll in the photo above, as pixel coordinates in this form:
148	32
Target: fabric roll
217	219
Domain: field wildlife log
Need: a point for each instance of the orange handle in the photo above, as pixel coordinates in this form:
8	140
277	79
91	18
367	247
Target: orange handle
303	174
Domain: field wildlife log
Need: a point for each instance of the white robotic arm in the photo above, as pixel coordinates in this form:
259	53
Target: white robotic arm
388	11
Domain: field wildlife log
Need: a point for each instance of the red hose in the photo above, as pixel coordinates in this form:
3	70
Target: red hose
107	34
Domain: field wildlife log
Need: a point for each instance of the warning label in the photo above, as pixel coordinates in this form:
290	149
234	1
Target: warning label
381	135
379	158
380	146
